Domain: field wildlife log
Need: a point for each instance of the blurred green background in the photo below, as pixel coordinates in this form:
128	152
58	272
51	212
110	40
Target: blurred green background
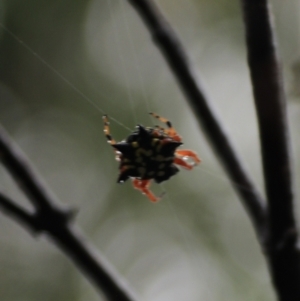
65	63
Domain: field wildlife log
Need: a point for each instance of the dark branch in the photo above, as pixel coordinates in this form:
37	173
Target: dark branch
175	55
93	264
53	220
272	119
14	211
22	172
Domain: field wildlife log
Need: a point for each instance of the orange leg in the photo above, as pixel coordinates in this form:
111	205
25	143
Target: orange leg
170	131
180	154
109	138
143	186
188	153
183	163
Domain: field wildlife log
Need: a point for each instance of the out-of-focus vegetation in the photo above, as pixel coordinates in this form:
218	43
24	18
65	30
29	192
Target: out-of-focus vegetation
65	63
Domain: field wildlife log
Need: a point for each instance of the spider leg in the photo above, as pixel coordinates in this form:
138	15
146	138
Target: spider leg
188	153
170	131
106	130
109	138
184	164
143	186
180	154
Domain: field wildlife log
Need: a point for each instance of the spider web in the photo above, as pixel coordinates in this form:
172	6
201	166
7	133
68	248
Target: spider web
183	254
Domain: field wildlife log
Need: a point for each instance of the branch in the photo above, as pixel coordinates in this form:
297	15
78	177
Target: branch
175	55
55	221
272	118
8	207
23	174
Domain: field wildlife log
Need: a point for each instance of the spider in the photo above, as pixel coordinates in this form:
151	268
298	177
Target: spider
150	153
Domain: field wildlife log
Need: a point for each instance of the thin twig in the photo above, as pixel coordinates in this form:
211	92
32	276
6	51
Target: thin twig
55	221
172	49
270	104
